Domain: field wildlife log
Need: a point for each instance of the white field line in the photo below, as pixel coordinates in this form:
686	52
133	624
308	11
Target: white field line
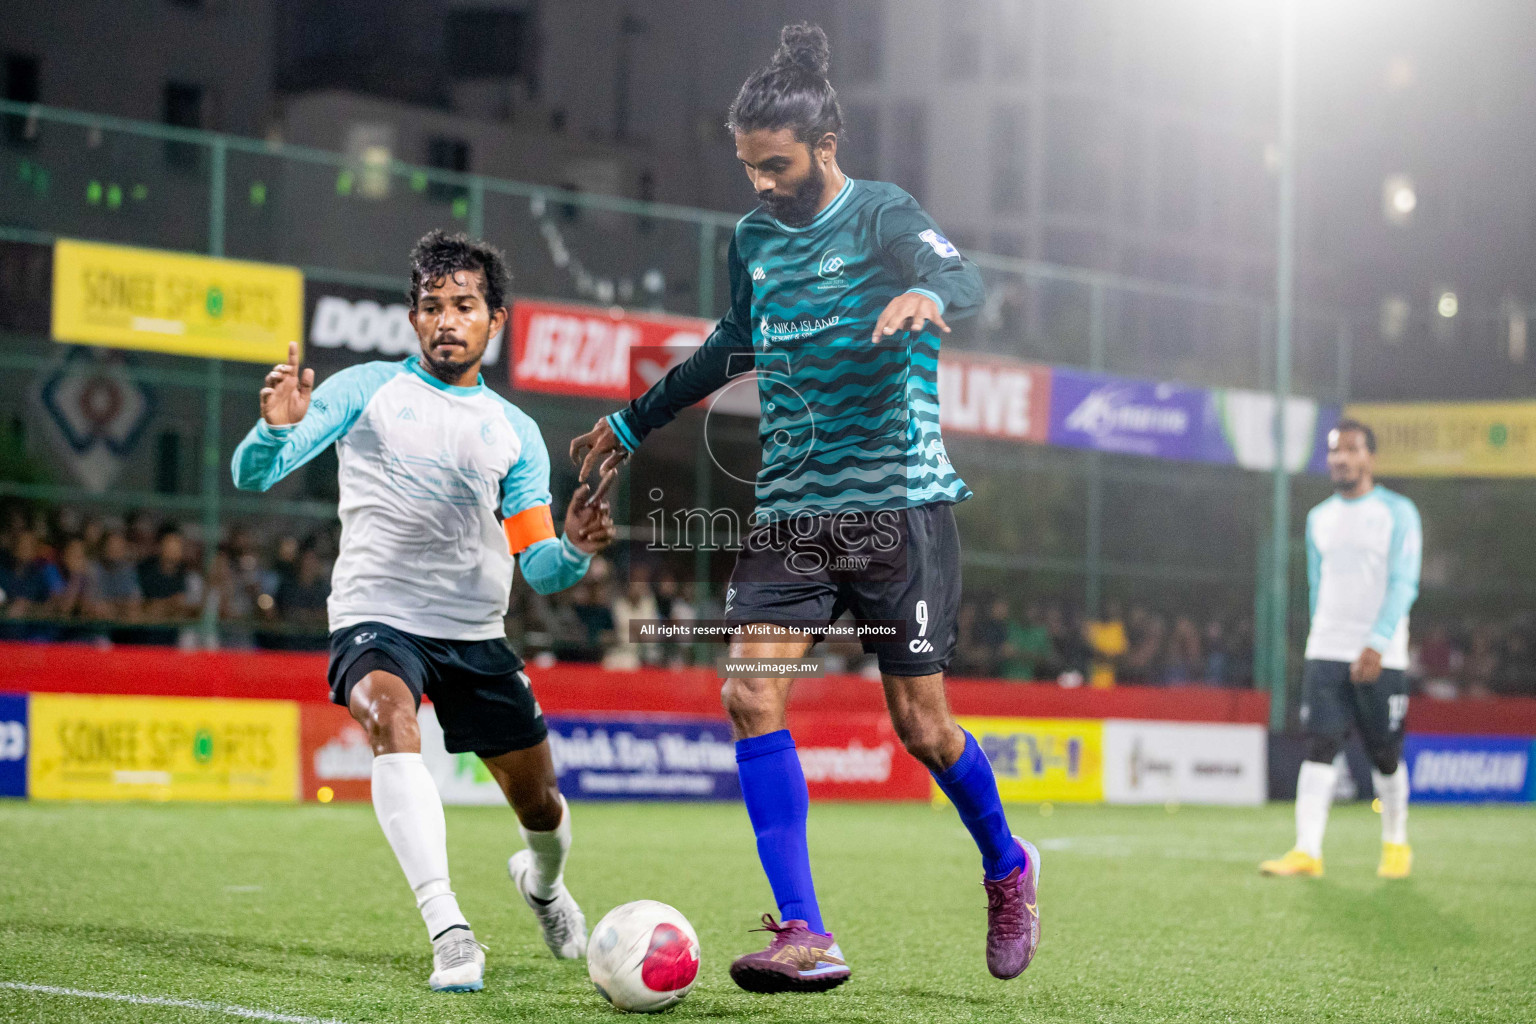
247	1012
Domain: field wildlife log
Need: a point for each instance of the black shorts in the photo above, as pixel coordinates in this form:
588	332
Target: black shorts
889	565
482	696
1331	703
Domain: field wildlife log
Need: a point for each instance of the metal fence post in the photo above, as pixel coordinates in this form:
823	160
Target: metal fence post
213	406
1285	284
476	217
1093	555
702	477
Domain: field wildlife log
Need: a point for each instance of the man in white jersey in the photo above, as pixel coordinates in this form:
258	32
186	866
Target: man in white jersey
443	484
1364	546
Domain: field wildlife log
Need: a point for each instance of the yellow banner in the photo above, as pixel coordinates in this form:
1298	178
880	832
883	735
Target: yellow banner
186	305
1037	759
162	748
1452	438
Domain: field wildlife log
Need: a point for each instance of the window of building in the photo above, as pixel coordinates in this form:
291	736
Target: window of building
1176	172
907	156
449	154
487	42
1010	172
861	48
1080	155
964	39
182	107
1012	39
858	151
23	77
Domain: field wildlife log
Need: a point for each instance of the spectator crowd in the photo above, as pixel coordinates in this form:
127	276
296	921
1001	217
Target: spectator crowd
139	579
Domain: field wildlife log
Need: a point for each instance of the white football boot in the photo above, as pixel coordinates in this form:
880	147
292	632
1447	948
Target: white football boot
458	962
564	926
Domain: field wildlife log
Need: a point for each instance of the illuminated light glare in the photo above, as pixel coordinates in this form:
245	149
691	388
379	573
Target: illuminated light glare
1404	199
1448	304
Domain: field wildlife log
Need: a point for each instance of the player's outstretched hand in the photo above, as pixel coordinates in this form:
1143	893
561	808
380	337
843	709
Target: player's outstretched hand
598	443
909	311
588	523
285	399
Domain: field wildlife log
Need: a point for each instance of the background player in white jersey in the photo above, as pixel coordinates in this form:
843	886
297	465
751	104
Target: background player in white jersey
1364	547
443	483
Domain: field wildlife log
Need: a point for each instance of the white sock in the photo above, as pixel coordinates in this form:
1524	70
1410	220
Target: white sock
410	812
1392	791
549	852
1314	794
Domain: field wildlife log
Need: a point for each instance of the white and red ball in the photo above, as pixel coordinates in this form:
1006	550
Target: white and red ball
643	957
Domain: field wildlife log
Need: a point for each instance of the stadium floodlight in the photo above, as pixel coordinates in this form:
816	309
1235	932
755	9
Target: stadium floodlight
1448	304
1399	199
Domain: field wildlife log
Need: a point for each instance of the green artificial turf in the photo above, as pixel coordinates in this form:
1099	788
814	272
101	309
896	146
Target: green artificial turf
1147	915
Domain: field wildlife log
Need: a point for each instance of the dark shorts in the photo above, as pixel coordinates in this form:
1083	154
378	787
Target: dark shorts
1331	704
896	564
482	696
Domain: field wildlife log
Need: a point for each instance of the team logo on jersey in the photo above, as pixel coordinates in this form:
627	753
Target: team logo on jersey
830	270
487	432
406	414
758	275
938	243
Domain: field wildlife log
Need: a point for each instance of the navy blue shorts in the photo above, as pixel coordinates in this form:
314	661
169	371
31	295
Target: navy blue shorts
889	565
483	698
1331	705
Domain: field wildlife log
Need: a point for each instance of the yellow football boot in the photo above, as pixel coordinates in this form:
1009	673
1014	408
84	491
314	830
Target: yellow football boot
1396	860
1294	863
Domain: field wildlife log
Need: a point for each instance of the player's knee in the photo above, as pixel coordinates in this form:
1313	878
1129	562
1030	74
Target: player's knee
751	703
1322	749
392	727
539	809
931	743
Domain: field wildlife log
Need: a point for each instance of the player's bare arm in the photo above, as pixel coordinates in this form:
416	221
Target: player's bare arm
910	311
285	396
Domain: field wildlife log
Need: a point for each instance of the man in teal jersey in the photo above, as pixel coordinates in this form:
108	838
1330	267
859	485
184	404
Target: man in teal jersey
835	286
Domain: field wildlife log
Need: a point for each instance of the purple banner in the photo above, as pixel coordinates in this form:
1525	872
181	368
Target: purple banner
1133	417
643	757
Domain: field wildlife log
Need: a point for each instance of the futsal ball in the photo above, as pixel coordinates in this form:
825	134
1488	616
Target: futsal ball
643	957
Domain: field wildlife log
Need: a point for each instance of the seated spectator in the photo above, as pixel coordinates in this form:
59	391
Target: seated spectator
81	579
1185	659
988	636
1107	644
116	594
1029	653
30	580
635	603
165	580
1216	654
301	597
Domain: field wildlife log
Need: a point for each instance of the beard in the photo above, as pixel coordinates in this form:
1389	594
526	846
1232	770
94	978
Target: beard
449	368
1344	481
799	207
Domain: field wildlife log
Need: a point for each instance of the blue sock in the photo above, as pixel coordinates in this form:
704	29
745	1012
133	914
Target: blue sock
773	786
972	788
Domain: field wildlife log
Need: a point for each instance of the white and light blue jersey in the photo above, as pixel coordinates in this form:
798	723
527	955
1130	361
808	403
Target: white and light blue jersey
1363	558
427	472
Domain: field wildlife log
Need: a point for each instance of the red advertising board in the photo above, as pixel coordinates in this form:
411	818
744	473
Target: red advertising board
994	398
333	753
855	757
568	349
